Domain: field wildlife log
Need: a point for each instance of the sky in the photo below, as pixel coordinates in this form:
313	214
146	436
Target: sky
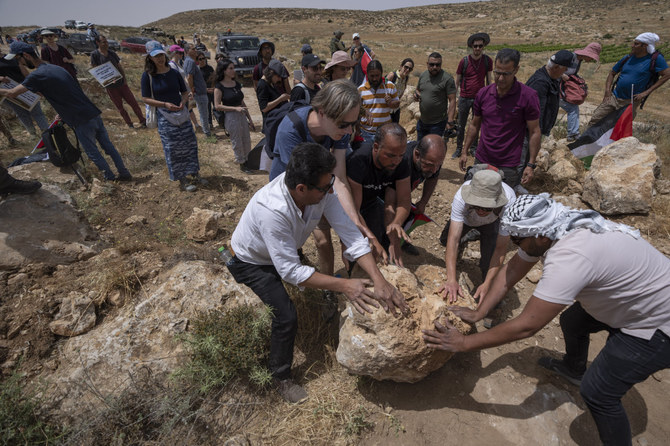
139	12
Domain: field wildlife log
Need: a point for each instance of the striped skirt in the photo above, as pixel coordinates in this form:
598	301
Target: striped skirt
180	147
238	128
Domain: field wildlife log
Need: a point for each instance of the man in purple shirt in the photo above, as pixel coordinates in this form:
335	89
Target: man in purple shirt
505	111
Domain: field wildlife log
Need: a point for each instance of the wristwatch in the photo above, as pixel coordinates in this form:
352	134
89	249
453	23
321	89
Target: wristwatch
531	165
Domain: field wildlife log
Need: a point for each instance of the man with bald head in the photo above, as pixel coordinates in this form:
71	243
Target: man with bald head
425	160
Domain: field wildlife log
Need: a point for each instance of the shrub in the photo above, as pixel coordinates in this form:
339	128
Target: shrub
228	346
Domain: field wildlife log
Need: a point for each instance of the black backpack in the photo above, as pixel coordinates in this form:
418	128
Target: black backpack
60	149
275	117
489	67
652	69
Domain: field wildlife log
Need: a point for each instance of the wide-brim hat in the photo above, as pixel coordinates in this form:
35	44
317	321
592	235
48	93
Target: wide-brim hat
338	33
340	58
485	190
479	36
47	32
263	42
591	50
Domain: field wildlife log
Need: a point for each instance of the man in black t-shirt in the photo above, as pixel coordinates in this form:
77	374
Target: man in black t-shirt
370	171
312	68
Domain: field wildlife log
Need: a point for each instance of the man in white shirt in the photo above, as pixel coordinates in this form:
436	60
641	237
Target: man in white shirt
277	221
620	283
479	203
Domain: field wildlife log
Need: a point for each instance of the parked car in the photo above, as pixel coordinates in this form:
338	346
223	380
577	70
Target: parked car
242	49
114	45
77	43
134	44
70	24
80	25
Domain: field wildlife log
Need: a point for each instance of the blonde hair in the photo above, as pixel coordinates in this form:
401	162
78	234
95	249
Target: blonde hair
336	99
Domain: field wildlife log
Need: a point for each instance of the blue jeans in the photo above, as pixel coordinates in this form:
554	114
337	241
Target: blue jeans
91	131
26	117
573	117
368	138
624	361
202	101
430	129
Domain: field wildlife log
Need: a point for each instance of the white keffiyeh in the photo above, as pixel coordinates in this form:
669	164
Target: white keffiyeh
650	39
535	215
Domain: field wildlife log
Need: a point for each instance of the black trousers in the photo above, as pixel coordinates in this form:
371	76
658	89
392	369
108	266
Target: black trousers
264	280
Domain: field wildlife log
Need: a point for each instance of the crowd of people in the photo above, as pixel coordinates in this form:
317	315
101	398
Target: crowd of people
341	159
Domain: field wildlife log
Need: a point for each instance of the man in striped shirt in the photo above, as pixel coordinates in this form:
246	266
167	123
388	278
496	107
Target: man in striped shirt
378	99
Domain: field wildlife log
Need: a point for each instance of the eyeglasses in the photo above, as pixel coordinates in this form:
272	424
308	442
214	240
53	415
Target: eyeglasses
408	68
357	38
435	64
344	125
479	208
477	46
497	73
325	190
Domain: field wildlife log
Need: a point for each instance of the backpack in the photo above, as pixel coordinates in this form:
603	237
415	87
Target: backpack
489	67
275	117
652	69
574	90
60	149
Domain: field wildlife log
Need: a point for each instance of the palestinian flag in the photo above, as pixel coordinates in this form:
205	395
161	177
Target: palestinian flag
415	220
365	60
616	125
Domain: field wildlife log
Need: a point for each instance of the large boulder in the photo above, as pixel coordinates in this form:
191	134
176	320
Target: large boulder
43	228
384	347
621	178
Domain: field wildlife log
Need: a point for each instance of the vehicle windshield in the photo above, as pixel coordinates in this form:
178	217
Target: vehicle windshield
247	43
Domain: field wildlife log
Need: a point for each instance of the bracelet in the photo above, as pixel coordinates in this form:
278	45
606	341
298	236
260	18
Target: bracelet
531	165
451	123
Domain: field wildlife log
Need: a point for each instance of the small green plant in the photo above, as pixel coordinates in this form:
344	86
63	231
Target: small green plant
608	36
21	423
356	422
228	346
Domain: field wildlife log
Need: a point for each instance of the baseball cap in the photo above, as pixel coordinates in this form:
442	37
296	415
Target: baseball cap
567	59
16	48
154	48
306	48
355	35
311	60
177	48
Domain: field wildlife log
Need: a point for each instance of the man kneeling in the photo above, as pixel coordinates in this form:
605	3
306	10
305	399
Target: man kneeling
277	221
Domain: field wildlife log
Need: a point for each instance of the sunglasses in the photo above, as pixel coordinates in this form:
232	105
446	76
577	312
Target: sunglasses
344	125
477	46
408	68
502	73
357	38
435	64
479	208
325	190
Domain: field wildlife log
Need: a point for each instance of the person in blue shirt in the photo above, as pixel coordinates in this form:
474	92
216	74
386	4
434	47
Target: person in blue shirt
72	105
635	76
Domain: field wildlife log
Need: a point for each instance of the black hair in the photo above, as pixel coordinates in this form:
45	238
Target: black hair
150	67
393	129
435	55
309	162
507	55
221	67
375	65
404	61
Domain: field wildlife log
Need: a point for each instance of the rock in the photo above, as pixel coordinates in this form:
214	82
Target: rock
562	170
662	186
413	109
572	201
543	159
202	225
383	347
16	279
534	275
76	316
229	213
43	228
140	336
573	187
135	220
621	178
100	189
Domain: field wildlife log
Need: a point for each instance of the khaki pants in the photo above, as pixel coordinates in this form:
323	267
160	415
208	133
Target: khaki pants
608	106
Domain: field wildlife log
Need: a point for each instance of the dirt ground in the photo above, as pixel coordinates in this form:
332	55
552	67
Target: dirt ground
498	396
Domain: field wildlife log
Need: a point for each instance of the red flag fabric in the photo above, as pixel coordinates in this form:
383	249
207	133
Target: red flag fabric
365	60
624	126
40	144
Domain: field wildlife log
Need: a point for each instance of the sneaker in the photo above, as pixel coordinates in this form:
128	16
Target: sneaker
244	168
131	126
186	186
290	391
457	154
200	180
124	177
21	187
410	249
560	368
571	138
143	124
471	236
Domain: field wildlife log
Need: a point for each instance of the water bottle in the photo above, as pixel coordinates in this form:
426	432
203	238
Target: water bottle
225	255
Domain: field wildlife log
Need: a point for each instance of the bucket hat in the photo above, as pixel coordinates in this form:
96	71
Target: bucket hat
485	190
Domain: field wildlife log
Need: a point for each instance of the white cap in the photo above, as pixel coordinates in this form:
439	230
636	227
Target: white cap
355	35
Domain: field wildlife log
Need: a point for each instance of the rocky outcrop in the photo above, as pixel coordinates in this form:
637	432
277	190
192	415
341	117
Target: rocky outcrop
384	347
621	178
76	316
43	228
